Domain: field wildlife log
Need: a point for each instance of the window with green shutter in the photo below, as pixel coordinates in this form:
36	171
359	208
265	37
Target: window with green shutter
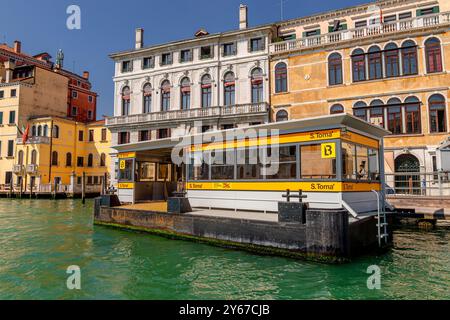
1	117
342	27
425	11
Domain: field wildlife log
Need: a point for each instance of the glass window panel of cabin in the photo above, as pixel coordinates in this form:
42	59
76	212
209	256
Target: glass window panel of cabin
313	166
362	163
222	165
286	164
248	164
374	165
126	174
348	161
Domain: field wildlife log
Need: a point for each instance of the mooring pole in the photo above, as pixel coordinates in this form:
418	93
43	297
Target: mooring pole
83	188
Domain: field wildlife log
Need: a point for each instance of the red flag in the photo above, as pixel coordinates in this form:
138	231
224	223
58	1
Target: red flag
25	134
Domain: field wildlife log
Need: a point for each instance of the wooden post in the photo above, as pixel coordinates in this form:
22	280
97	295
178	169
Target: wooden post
55	189
11	186
21	188
83	188
31	187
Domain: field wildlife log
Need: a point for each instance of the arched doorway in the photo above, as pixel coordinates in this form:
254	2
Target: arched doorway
407	179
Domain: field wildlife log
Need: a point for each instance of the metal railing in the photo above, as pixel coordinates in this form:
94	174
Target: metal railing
418	183
210	112
34	140
364	32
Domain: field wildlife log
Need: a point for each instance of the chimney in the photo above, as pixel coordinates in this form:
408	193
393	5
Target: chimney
9	69
17	46
243	17
86	75
139	38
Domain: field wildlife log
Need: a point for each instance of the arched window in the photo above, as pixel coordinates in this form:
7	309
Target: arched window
90	160
45	133
126	98
394	116
229	89
391	59
68	159
185	94
376	113
359	65
433	55
281	79
375	63
282	116
206	91
409	58
33	131
165	95
39	131
55	131
102	160
257	85
54	158
412	115
147	98
34	157
336	109
437	113
360	110
335	69
20	158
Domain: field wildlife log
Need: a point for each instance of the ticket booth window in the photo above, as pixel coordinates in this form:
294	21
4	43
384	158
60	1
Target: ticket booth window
126	169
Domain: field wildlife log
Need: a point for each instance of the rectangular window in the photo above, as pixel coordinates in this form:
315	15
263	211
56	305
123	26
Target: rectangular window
80	162
198	169
10	148
390	18
13	93
1	118
2	94
223	167
313	166
359	67
90	115
166	59
427	11
74	94
12	117
127	66
124	137
163	133
395	120
91	135
412	114
405	15
257	44
185	56
144	135
206	52
206	128
103	134
361	24
374	165
80	135
148	63
311	33
348	161
286	165
251	169
362	163
288	37
8	177
91	99
74	111
126	173
229	49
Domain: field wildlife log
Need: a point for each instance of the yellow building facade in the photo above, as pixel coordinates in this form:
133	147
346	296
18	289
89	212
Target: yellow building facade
387	63
59	152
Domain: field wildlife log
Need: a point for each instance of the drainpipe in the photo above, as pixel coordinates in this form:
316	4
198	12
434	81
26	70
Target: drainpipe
51	151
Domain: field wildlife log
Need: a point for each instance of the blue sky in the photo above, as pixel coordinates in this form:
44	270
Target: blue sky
108	26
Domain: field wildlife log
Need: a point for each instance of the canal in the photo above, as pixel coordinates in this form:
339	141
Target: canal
39	240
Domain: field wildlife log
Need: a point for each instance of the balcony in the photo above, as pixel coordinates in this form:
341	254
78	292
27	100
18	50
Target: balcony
34	140
32	169
407	25
17	169
191	114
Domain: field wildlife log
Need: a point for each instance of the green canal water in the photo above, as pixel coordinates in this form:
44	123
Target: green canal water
39	240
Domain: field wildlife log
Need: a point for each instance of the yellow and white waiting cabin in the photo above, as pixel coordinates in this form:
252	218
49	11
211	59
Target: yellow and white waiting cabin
337	161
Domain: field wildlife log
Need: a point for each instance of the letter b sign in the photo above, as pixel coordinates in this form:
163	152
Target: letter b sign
329	150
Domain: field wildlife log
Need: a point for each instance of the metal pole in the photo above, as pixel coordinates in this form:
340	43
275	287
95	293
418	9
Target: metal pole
83	188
